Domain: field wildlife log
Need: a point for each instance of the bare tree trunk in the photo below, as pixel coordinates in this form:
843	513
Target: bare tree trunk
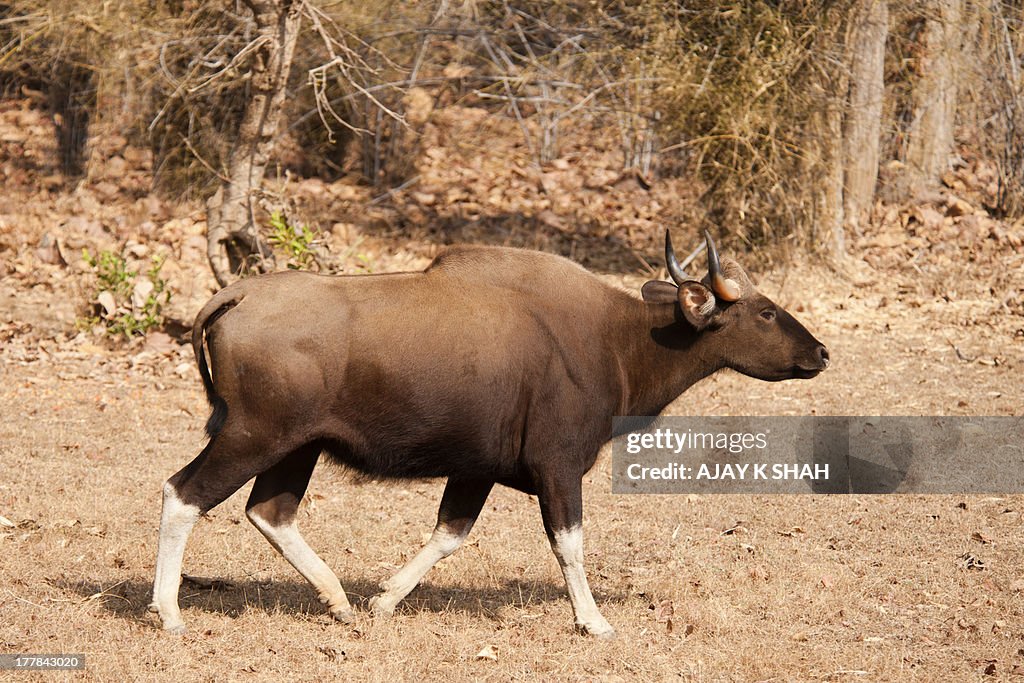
851	125
233	240
935	95
828	163
830	201
862	127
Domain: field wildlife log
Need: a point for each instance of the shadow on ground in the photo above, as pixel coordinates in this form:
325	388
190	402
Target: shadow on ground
130	599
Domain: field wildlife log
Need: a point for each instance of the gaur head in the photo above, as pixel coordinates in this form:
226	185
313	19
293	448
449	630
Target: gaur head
752	334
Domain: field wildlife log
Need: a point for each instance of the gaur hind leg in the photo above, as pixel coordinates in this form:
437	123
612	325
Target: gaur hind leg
460	505
218	471
271	508
561	504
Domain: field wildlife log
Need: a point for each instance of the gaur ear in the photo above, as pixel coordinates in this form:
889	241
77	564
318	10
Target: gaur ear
698	303
659	292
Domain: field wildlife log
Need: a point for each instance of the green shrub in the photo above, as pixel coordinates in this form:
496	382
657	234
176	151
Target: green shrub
297	242
125	302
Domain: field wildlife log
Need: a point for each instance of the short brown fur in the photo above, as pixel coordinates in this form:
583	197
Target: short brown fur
491	366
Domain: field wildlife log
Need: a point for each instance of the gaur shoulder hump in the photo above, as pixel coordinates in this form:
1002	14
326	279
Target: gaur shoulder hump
505	263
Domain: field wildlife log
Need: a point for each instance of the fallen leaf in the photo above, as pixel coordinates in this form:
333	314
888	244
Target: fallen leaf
970	561
981	538
734	529
663	611
106	300
49	251
551	219
331	653
487	653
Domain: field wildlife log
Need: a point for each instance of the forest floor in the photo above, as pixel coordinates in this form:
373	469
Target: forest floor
925	318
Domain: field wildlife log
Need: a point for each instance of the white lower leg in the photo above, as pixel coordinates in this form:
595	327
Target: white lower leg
176	522
442	543
568	548
290	543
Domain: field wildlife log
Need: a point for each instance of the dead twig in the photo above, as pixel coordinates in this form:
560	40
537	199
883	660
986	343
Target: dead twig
381	197
960	354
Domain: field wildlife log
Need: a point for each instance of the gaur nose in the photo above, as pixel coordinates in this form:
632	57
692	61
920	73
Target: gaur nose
823	356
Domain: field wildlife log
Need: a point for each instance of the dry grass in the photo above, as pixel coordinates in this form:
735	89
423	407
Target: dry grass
812	588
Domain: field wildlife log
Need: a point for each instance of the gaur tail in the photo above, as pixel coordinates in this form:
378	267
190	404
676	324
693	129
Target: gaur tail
221	302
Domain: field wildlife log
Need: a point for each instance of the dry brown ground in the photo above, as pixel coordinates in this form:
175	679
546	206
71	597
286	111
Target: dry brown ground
814	588
851	588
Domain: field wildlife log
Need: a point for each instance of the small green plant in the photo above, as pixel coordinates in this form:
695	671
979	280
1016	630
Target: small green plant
297	242
125	301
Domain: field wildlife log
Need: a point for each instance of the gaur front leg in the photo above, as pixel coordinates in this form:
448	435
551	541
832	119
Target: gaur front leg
460	505
561	506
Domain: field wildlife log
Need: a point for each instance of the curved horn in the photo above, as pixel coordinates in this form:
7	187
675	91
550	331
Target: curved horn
675	271
722	286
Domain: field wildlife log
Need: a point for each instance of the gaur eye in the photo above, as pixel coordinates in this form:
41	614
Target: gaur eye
768	314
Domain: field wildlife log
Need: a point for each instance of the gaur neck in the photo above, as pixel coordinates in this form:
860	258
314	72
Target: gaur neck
666	357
